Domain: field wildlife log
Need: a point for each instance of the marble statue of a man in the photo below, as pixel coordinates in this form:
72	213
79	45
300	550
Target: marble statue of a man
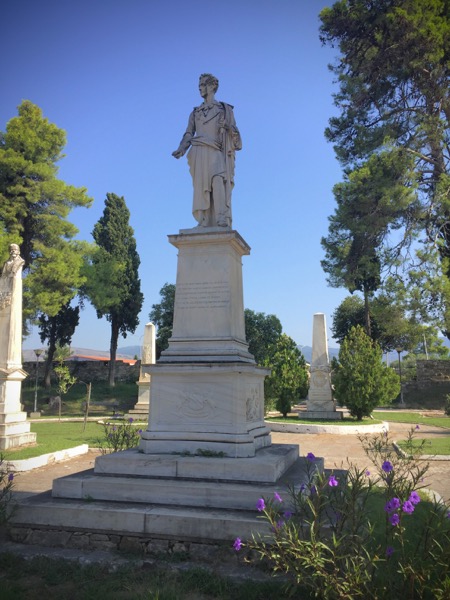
213	138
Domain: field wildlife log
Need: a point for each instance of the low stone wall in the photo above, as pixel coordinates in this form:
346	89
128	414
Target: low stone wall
90	370
433	370
89	541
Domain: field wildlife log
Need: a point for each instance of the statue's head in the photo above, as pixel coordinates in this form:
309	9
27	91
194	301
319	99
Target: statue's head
211	80
14	249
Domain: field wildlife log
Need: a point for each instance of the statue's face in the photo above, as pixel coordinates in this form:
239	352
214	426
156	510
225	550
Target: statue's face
204	87
14	251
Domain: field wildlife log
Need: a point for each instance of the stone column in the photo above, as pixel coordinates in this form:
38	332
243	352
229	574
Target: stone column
14	428
320	403
148	357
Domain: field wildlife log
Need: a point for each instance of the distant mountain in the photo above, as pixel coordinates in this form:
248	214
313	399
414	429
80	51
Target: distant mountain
307	352
127	352
130	351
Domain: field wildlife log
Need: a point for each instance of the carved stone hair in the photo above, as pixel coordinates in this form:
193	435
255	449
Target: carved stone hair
210	79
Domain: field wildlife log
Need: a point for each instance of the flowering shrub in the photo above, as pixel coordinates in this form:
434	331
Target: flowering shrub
119	435
357	533
6	487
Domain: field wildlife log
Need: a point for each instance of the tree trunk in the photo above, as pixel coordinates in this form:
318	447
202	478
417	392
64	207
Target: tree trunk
113	352
50	354
368	326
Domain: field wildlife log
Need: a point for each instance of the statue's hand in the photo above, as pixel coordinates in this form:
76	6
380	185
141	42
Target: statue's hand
178	153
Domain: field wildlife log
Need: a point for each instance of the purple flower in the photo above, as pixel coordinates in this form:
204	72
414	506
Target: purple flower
310	456
389	551
280	524
367	472
387	466
287	514
130	420
394	519
332	481
448	515
261	505
414	498
417	427
237	544
10	476
392	505
303	487
277	496
408	507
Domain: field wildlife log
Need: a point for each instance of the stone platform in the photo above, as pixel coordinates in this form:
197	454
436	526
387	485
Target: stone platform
208	510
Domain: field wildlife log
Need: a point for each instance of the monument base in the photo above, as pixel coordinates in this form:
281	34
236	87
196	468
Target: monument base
141	408
14	427
321	414
183	498
206	409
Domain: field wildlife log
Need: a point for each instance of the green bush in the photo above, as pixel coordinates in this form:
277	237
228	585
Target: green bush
447	405
361	380
355	534
119	434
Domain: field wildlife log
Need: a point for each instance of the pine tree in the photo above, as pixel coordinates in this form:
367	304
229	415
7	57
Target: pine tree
361	380
113	285
34	206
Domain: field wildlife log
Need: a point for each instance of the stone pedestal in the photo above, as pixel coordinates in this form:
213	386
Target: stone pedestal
207	393
148	356
14	428
320	403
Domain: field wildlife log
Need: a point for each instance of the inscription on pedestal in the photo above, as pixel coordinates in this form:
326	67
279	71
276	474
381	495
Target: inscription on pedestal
203	294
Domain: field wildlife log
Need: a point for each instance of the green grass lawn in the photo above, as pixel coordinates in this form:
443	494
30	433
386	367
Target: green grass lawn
345	421
104	399
431	446
57	436
413	418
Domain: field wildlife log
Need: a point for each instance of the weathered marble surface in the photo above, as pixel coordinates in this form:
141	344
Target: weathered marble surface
148	357
320	403
213	138
14	428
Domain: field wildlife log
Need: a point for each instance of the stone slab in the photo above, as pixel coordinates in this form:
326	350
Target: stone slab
266	467
189	524
27	464
333	429
321	414
229	509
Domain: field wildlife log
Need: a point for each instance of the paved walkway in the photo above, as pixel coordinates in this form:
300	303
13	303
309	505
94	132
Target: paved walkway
336	449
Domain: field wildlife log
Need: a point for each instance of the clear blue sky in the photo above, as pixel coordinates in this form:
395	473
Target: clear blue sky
121	77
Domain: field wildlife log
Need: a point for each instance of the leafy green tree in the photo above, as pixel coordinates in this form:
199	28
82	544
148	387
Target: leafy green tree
371	203
361	380
162	317
391	327
288	382
393	71
58	330
121	301
34	206
262	332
